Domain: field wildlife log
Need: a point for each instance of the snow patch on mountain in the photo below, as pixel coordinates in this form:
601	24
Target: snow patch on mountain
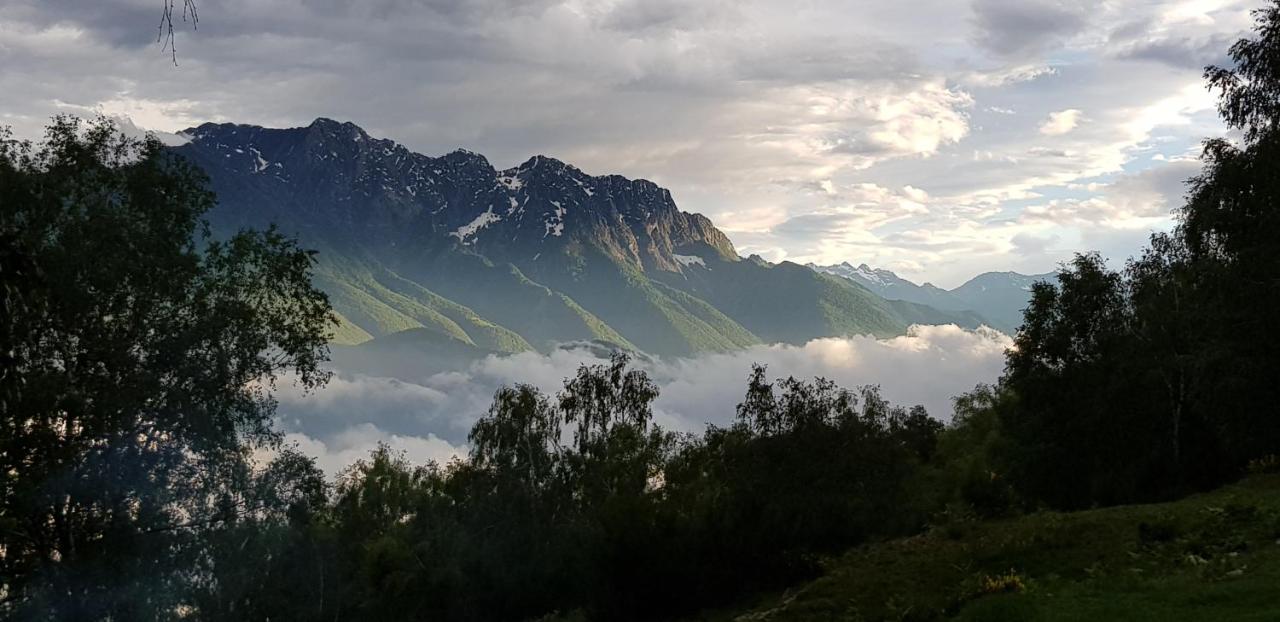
468	230
555	224
868	275
871	275
689	260
259	164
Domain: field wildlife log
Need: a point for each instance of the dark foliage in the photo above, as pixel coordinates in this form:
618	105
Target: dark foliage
580	504
1160	379
137	363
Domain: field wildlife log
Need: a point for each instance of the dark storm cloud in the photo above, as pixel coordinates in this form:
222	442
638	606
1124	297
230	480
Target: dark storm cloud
119	24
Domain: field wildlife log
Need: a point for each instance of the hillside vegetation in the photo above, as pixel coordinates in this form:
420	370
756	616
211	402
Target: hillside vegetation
1210	557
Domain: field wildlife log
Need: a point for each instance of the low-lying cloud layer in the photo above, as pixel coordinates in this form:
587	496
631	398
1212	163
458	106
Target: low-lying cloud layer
428	416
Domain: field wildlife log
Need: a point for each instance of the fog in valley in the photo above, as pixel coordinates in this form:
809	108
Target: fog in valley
428	414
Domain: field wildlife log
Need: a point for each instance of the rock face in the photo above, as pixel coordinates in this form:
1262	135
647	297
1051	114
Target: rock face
505	260
334	180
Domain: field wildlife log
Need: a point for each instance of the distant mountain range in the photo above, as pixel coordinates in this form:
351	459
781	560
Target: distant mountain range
999	297
451	256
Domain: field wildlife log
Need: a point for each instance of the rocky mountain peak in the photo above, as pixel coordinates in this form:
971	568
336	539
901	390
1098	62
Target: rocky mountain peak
332	178
466	157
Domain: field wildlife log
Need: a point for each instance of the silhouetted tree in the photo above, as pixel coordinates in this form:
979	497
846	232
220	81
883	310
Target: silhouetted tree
1161	379
140	358
1230	227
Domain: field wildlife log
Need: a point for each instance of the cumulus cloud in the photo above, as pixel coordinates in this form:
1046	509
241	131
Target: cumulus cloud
1187	35
355	443
1060	122
429	414
1031	244
1006	76
1130	201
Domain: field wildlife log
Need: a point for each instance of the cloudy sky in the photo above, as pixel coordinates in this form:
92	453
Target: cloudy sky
937	138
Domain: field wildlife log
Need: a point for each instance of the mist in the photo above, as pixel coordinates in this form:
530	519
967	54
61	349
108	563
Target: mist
428	414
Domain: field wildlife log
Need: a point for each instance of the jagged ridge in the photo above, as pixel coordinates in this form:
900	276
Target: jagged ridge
526	257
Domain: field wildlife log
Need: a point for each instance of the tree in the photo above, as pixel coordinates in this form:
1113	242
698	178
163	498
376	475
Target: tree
277	561
1161	379
142	358
1230	226
808	468
1076	416
1166	293
972	453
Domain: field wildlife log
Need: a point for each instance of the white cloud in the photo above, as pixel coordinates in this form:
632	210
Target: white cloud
428	415
915	194
356	442
928	366
1006	76
1060	122
1133	201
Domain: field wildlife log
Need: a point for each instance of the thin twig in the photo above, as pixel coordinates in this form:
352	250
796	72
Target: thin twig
165	34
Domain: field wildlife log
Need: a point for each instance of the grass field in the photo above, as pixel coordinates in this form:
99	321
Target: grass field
1211	557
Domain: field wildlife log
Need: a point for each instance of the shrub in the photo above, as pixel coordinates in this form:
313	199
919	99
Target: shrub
1002	583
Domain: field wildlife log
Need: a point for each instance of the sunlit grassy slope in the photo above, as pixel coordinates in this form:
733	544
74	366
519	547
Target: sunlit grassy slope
1211	557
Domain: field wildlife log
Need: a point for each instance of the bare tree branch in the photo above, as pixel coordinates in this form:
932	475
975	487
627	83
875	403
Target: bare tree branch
165	34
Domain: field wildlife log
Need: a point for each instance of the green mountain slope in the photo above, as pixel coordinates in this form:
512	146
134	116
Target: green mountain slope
377	301
665	320
790	303
522	258
504	295
412	353
347	332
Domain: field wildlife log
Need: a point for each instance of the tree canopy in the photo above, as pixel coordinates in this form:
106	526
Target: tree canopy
1159	379
139	361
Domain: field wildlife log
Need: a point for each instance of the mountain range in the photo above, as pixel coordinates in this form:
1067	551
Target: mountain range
452	256
999	297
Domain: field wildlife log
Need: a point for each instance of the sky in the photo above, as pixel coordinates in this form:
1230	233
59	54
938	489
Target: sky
935	138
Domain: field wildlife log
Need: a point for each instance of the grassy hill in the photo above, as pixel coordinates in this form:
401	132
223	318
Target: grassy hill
1211	557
